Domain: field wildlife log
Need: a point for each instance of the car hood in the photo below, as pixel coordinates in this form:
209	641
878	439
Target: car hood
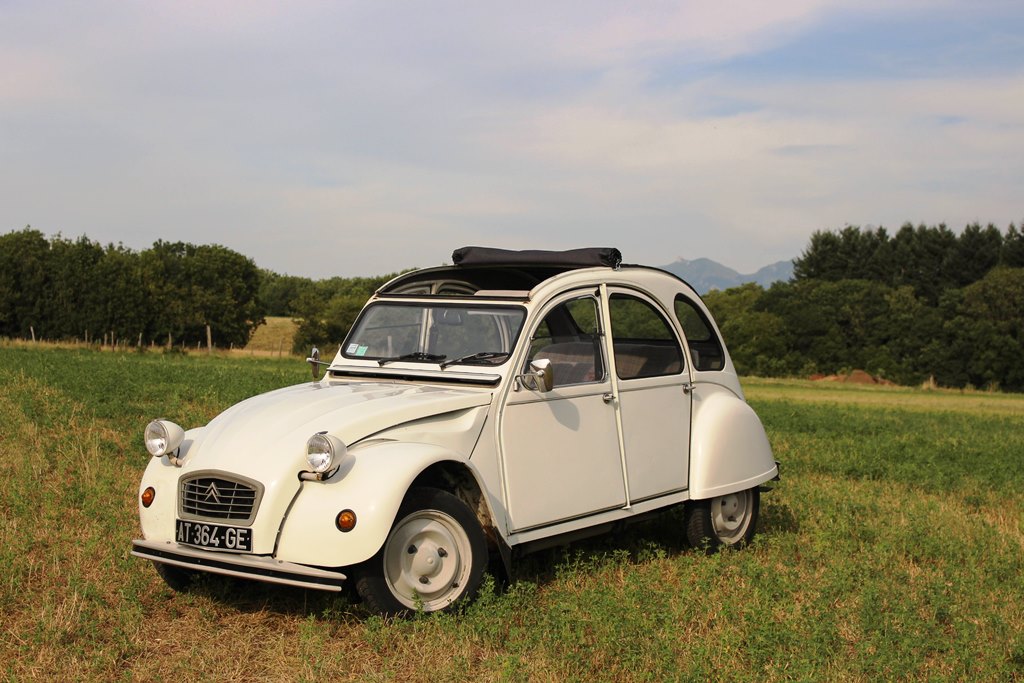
269	431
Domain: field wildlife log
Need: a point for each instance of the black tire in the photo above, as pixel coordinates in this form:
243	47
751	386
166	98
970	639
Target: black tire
177	578
727	521
433	559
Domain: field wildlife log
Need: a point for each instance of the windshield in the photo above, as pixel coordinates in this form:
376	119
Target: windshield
444	334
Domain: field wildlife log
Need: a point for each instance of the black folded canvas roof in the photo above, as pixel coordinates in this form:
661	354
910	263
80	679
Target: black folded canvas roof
483	268
572	258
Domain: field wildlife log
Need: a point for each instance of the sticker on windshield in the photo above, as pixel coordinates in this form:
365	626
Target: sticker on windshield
361	351
351	349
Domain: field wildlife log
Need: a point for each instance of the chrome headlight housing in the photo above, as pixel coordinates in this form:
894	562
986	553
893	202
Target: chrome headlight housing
324	451
163	437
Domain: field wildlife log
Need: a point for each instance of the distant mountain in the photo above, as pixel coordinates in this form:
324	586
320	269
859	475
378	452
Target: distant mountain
704	274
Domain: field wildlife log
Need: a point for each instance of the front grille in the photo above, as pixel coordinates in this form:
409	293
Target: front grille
218	496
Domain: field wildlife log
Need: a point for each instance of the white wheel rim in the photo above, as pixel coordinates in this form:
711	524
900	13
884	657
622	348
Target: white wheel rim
730	515
427	560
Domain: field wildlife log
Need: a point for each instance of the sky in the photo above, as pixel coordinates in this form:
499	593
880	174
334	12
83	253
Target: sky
364	137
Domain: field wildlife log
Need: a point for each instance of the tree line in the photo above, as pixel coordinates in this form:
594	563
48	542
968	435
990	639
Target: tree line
922	303
931	259
62	289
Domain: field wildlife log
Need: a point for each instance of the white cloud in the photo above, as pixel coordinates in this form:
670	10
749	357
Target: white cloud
388	134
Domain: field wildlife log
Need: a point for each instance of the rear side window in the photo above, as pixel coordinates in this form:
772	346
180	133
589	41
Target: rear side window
644	343
705	347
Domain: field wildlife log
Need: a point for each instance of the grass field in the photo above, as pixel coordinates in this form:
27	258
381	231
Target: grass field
273	337
892	549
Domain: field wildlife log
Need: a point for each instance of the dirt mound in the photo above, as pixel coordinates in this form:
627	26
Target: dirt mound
852	377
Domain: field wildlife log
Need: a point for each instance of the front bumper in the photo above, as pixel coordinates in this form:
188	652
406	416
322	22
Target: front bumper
257	567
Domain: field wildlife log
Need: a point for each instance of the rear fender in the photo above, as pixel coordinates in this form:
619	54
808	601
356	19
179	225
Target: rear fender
729	450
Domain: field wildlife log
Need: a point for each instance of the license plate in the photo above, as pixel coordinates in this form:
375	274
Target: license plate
234	538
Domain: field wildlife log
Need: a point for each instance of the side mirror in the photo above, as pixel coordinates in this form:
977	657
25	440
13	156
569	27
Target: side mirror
541	376
314	363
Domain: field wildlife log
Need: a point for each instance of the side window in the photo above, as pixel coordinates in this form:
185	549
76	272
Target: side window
705	347
644	343
568	337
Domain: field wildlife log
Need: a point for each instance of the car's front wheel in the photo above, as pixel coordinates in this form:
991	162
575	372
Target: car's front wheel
433	558
723	521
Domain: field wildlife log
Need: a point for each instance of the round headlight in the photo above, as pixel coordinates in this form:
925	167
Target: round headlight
163	437
322	451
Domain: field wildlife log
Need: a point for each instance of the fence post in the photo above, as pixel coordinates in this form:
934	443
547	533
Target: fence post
209	340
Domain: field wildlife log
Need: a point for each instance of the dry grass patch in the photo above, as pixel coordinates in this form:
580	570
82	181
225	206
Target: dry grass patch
903	398
274	337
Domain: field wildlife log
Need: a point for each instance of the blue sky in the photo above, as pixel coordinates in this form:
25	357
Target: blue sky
358	138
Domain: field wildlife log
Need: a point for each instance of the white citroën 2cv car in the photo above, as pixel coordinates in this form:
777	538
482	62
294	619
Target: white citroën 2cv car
508	402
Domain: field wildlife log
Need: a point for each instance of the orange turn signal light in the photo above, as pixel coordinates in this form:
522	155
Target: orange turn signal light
147	496
345	521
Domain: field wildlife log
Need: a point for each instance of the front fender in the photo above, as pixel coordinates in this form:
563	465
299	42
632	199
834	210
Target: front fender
729	450
372	484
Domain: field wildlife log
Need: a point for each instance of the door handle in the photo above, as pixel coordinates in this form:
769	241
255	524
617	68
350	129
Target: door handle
608	398
687	387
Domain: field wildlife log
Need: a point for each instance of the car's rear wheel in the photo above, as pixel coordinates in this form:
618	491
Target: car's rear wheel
723	521
433	558
177	578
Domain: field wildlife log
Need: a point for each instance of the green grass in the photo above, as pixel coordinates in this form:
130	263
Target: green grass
890	550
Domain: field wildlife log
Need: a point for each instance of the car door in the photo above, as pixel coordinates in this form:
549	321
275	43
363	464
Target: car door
654	395
560	449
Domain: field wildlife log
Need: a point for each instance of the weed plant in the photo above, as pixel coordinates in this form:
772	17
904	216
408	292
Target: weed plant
890	550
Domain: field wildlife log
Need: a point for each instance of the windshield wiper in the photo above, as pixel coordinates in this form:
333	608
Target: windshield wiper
473	357
415	355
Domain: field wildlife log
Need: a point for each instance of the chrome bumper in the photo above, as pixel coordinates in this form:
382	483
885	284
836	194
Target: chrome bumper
257	567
